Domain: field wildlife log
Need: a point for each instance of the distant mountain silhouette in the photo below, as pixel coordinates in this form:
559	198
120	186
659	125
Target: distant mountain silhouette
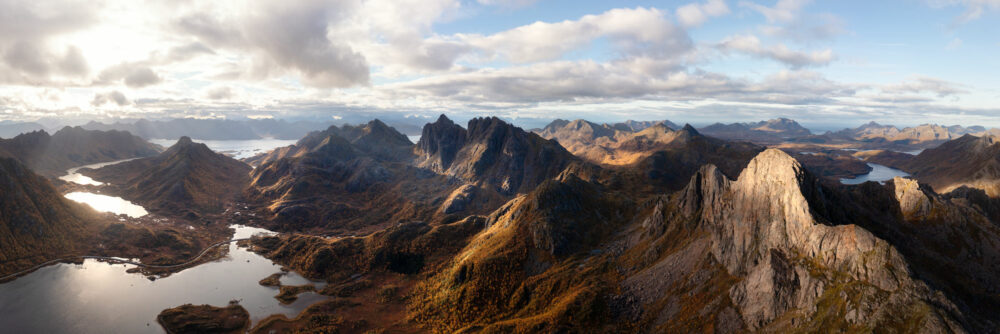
52	155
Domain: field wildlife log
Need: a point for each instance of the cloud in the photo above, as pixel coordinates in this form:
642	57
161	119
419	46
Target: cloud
142	77
115	97
219	93
695	14
783	10
787	20
974	9
634	32
507	3
133	75
750	44
286	38
922	84
954	44
27	29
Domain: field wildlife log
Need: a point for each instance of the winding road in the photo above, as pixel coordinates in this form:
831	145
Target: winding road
121	260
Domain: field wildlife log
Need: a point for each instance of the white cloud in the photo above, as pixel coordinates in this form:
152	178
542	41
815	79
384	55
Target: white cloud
750	44
787	19
507	3
695	14
954	44
634	32
974	9
783	11
923	84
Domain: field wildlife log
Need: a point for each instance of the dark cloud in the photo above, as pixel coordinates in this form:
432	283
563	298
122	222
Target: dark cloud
142	77
115	97
219	93
134	75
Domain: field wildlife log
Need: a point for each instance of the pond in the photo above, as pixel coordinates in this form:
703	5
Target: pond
97	297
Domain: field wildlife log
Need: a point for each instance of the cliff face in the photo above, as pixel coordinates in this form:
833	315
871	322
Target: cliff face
186	179
74	147
763	228
492	154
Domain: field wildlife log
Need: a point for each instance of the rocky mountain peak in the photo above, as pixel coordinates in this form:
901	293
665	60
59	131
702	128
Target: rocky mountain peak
690	129
184	140
439	142
377	136
772	166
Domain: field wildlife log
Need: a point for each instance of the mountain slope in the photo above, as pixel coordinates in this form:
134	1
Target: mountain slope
967	161
74	147
36	222
186	179
769	251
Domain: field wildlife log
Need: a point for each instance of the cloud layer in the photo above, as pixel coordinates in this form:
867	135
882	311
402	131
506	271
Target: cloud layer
312	58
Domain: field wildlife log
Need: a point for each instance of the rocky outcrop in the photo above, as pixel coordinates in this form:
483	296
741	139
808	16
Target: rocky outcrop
767	233
205	319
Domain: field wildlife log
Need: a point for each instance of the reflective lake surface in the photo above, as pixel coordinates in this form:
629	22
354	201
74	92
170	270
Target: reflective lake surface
97	297
74	177
239	149
105	203
879	173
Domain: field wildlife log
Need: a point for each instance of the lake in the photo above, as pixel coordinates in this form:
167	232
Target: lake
879	173
103	203
97	297
238	149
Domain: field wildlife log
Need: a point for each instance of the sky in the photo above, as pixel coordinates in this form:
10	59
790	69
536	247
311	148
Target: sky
826	64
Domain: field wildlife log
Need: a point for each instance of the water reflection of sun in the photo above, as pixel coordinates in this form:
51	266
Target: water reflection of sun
105	203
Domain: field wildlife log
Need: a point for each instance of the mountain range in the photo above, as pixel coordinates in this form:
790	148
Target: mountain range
52	155
583	227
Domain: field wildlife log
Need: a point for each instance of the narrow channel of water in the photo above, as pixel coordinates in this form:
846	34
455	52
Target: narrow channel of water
879	173
74	177
97	297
